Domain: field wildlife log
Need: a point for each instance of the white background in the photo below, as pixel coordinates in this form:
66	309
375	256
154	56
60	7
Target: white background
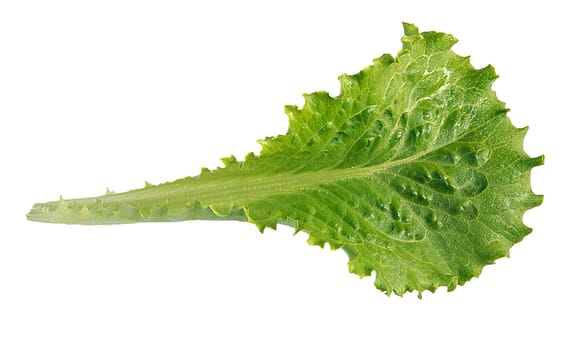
113	93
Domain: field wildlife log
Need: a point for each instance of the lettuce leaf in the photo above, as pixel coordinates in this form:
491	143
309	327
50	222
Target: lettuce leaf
414	170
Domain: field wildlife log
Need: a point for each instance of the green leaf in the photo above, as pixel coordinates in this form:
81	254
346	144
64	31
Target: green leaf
414	170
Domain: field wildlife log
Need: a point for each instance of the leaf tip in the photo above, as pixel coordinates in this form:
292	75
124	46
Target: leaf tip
384	60
537	200
290	110
409	28
490	72
229	161
348	83
537	161
312	240
452	284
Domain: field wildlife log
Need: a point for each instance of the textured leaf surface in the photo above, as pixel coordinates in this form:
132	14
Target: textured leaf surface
414	170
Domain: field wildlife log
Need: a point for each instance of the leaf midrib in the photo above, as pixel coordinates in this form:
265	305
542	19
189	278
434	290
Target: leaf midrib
240	191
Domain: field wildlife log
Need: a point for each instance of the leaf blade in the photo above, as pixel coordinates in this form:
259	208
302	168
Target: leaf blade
425	215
